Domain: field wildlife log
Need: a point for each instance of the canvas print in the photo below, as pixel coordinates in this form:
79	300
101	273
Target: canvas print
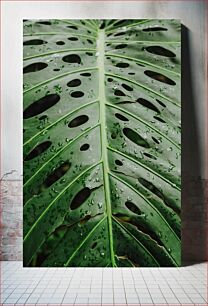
102	134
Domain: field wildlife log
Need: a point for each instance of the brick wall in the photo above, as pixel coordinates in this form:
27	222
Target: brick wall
194	225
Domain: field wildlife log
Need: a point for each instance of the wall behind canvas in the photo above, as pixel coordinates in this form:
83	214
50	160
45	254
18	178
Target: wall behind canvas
194	112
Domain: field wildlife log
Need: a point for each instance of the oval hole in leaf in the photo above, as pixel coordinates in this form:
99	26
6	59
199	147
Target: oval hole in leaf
148	104
159	119
135	137
151	187
149	155
90	41
119	93
131	73
131	206
119	34
161	103
109	79
55	175
102	25
35	67
84	147
121	117
34	42
122	65
159	77
77	94
121	46
138	64
78	121
94	245
127	87
42	147
72	58
160	51
86	74
72	27
74	83
56	69
154	29
72	38
155	140
118	162
44	22
89	53
60	42
80	198
41	105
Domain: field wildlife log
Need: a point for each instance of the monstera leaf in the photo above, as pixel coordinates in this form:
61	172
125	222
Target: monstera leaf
101	143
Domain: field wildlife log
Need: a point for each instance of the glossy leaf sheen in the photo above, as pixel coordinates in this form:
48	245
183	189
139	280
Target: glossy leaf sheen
102	143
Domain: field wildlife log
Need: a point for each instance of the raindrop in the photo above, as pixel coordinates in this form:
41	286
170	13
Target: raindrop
78	121
135	137
41	105
42	147
80	198
34	42
159	77
35	67
121	117
72	58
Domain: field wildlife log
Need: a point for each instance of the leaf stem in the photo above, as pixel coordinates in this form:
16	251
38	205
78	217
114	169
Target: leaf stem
102	99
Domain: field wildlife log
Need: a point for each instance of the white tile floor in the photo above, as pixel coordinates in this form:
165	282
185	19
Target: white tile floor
97	286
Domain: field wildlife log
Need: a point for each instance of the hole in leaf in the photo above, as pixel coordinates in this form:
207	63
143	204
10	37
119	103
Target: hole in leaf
121	117
109	79
56	69
122	65
41	105
150	187
118	92
86	74
118	162
155	140
154	29
119	34
131	73
121	46
78	121
90	41
74	83
84	147
94	245
159	77
34	42
72	27
55	175
60	42
44	117
149	155
72	38
44	22
85	219
72	58
161	103
34	67
42	147
77	94
131	206
135	137
127	87
159	119
148	104
160	51
80	198
138	64
113	135
89	53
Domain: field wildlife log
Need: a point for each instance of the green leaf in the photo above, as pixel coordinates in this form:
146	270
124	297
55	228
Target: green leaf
102	143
